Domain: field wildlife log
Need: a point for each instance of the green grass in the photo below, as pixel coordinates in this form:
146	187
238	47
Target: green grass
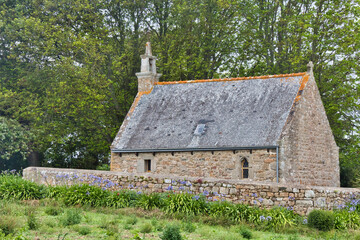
126	223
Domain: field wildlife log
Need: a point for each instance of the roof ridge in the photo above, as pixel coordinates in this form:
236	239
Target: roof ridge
232	79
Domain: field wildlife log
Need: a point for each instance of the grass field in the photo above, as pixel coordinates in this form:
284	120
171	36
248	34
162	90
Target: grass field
49	219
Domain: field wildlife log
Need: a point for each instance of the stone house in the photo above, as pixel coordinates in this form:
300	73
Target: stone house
264	129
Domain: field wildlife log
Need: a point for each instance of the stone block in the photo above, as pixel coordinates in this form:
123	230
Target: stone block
284	194
168	181
320	202
305	203
233	191
309	194
268	202
224	190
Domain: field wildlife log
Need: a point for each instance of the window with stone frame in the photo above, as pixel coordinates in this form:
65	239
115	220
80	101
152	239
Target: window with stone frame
244	168
147	165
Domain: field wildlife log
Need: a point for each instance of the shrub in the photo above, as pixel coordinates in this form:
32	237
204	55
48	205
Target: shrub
122	199
7	224
71	217
185	203
128	227
112	230
146	228
279	217
245	232
15	187
171	232
132	220
188	227
345	219
56	192
32	222
158	226
53	211
85	195
50	223
103	167
82	230
234	212
322	220
151	201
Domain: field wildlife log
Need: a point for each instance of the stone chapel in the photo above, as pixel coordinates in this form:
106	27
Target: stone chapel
265	129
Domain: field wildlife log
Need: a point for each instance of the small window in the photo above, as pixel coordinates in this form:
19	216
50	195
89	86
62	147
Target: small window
147	165
244	168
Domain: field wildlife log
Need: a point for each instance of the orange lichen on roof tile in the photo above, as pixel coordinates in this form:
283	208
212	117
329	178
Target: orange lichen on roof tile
136	101
233	79
304	80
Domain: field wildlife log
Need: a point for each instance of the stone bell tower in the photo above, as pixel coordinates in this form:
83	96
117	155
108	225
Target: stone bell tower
147	75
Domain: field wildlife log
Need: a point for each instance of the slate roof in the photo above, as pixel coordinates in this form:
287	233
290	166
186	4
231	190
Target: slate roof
221	113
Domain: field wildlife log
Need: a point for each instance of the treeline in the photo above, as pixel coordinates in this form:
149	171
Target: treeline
67	67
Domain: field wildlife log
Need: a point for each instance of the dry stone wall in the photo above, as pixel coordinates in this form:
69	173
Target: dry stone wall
299	198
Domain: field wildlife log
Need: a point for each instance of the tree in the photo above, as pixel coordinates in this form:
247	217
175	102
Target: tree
68	67
14	144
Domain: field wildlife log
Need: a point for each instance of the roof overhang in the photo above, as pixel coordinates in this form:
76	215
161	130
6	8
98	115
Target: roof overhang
191	149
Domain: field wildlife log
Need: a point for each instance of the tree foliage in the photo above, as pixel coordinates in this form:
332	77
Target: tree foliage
14	144
68	67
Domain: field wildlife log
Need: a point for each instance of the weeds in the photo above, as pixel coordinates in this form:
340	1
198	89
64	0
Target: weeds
8	224
146	228
246	232
132	220
71	217
53	211
32	222
171	232
188	227
82	230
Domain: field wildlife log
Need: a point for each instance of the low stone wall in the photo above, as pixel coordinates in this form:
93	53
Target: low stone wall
302	199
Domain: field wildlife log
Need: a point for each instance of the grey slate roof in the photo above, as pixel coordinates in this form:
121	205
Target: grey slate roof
213	114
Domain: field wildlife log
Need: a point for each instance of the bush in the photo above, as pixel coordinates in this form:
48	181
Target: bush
53	211
146	228
322	220
7	224
279	217
15	187
71	217
245	232
151	201
83	230
103	167
188	227
171	232
158	226
345	219
185	203
32	222
85	195
132	220
122	199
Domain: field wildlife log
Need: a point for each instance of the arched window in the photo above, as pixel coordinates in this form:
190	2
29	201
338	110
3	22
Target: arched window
244	168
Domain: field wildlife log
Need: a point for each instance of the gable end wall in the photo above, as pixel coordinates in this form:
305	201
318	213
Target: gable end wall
308	152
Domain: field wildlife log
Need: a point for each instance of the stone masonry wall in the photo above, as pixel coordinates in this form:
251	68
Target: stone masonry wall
308	151
299	198
204	164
